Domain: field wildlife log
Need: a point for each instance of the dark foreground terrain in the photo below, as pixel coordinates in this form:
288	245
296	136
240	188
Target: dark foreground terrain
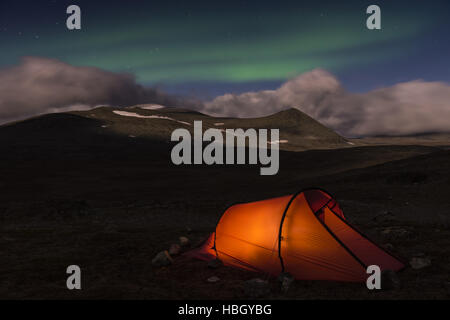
109	203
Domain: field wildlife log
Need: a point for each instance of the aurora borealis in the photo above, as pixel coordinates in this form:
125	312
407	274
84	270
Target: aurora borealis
219	47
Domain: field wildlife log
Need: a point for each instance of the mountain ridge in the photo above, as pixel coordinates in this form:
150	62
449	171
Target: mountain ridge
298	131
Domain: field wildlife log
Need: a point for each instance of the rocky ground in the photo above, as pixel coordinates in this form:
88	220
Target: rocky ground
110	204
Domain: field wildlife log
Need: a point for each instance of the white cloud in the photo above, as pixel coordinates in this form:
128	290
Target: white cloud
41	85
405	108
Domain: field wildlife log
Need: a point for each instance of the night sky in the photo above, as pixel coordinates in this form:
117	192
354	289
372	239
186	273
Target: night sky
210	48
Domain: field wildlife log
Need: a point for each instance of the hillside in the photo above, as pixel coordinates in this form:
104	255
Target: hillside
297	130
74	191
427	139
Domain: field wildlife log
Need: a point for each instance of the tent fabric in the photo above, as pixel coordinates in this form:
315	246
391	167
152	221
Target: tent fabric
305	234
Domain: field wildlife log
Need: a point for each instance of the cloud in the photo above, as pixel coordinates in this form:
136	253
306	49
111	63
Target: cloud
405	108
41	85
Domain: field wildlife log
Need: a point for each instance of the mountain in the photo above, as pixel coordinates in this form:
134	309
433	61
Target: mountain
438	139
297	130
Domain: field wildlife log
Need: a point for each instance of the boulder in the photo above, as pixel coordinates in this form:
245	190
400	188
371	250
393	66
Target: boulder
184	241
162	259
213	279
420	262
286	280
256	288
395	232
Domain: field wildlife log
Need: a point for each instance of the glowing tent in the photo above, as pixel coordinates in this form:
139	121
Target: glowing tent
304	234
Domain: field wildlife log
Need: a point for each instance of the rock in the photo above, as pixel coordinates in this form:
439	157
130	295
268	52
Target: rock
162	259
419	262
213	279
385	216
184	242
285	279
214	264
256	288
394	232
174	249
390	280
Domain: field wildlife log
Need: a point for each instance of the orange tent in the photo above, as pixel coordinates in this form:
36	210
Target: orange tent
304	234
